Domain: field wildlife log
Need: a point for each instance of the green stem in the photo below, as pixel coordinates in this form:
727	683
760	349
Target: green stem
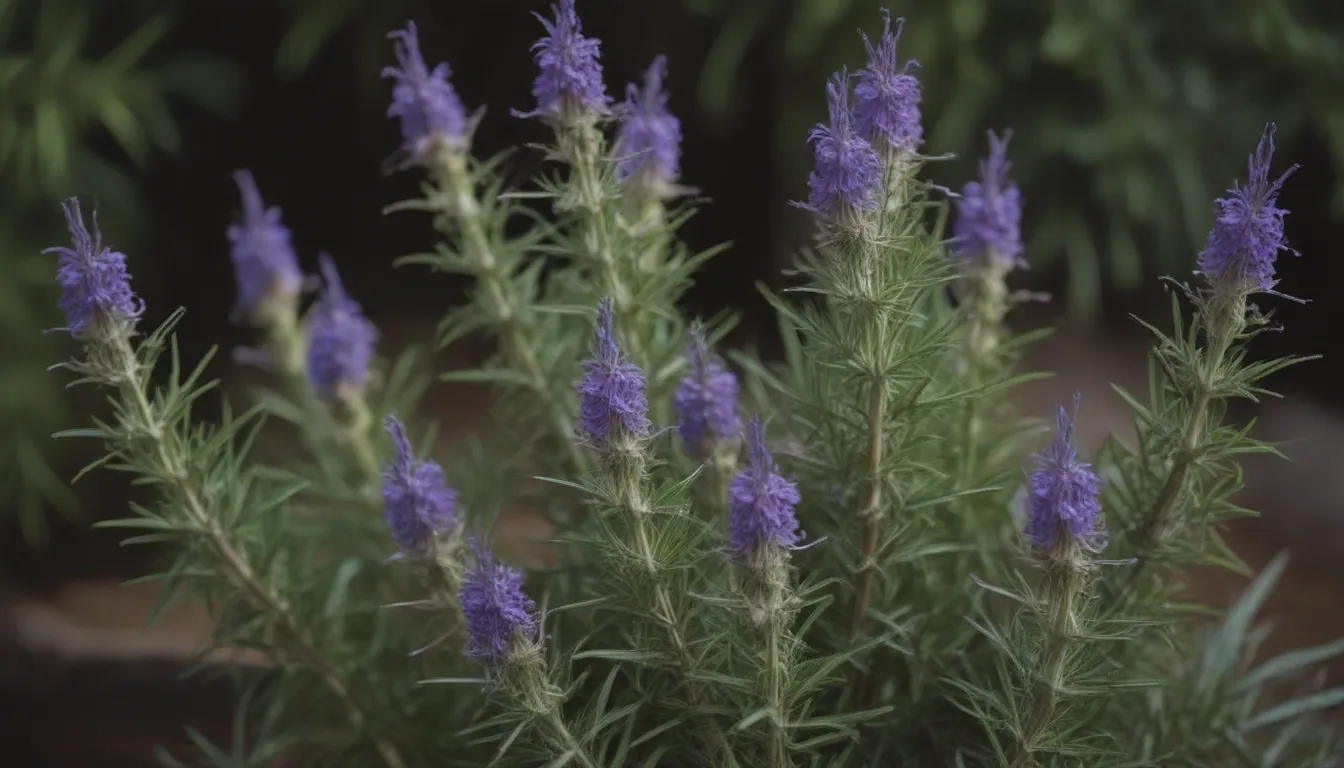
172	465
1225	324
583	145
455	180
1063	584
871	512
775	671
630	471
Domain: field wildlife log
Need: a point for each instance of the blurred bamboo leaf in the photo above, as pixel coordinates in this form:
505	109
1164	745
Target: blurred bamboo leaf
59	95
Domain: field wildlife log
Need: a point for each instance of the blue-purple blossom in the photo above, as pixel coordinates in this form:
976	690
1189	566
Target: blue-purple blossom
705	402
496	608
1247	233
1064	494
263	257
761	502
649	137
887	96
989	211
570	67
416	497
611	393
341	339
95	286
846	172
423	99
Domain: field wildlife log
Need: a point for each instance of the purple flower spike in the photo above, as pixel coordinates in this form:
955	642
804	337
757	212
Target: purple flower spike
341	340
886	99
496	608
416	497
1064	495
95	286
649	138
846	173
989	212
570	76
263	257
612	389
1247	234
705	402
422	99
761	502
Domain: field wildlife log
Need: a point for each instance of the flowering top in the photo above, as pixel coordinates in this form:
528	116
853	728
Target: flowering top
1247	234
886	99
340	339
95	286
496	608
846	171
649	138
612	389
570	77
423	99
761	502
1063	492
416	497
705	402
989	212
263	257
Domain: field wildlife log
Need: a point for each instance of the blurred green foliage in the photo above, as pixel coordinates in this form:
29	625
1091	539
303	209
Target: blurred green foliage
76	117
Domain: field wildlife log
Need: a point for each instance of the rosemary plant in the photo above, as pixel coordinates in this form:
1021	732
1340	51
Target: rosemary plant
858	574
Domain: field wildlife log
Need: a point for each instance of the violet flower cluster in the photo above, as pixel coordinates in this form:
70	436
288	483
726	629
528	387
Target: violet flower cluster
847	173
989	212
705	401
1064	494
648	141
264	262
1247	233
341	340
612	391
423	100
498	612
569	81
887	96
761	503
416	498
96	294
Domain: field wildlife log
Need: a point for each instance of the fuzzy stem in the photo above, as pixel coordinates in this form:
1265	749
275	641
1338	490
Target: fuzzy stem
651	230
566	739
528	683
455	182
776	628
629	470
871	513
986	293
236	564
582	145
1063	585
355	433
1226	322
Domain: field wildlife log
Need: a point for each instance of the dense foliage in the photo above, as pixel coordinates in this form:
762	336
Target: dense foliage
831	560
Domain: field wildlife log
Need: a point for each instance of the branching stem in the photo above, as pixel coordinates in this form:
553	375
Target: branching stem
632	497
456	185
583	146
1063	584
236	565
